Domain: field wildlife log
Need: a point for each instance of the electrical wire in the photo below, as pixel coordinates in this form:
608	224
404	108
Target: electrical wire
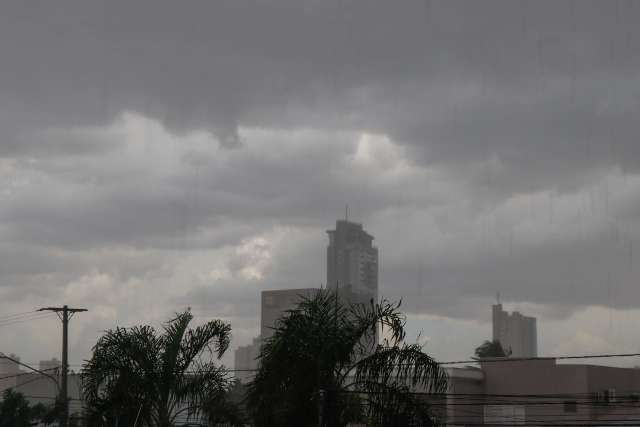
16	315
508	359
20	374
38	316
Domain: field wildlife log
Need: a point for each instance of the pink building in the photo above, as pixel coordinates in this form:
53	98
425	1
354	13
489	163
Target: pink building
542	392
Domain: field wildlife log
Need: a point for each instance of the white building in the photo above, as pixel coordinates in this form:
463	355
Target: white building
352	262
517	333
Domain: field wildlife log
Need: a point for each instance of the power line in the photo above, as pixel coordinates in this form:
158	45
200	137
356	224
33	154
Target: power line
24	319
18	362
26	373
521	359
38	377
510	359
8	316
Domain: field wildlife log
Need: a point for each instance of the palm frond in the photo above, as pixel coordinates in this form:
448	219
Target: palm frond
322	344
213	336
396	406
372	319
136	371
402	365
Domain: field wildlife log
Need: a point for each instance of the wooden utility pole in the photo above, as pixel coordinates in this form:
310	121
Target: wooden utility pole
65	314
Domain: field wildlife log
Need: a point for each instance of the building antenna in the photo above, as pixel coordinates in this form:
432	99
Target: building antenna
498	297
346	212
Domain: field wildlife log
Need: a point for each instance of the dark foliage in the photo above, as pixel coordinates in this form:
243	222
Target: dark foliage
330	346
137	374
490	349
15	410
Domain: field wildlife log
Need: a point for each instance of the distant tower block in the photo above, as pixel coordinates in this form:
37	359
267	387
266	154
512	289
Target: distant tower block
352	262
518	334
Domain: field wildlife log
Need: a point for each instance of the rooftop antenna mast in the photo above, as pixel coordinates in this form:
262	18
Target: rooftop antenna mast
498	297
346	212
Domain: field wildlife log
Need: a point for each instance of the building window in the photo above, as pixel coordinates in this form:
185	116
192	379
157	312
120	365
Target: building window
606	397
570	406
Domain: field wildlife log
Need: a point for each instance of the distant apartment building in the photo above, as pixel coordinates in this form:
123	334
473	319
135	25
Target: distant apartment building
273	305
541	392
38	387
516	333
50	366
9	372
352	262
245	360
8	366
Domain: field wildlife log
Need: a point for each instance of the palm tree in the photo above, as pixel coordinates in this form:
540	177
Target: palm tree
139	377
323	361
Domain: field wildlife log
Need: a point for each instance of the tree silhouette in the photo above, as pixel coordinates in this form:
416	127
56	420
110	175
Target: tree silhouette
490	349
15	410
323	361
137	374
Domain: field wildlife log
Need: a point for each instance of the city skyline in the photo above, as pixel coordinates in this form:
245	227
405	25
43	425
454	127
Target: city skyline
155	157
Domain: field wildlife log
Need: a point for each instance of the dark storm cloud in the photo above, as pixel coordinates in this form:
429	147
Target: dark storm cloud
168	200
598	270
545	73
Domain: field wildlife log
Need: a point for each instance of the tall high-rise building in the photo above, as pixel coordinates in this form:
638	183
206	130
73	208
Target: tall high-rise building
517	334
352	262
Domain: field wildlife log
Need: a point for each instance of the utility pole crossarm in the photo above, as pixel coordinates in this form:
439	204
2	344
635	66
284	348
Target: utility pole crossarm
65	313
70	310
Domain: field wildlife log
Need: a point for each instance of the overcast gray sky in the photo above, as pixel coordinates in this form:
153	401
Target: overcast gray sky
159	154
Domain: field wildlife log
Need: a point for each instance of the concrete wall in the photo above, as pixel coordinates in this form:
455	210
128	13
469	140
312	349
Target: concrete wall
550	392
465	396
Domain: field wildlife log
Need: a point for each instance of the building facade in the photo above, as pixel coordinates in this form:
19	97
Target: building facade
517	334
245	360
542	392
9	372
40	388
273	304
50	365
352	262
